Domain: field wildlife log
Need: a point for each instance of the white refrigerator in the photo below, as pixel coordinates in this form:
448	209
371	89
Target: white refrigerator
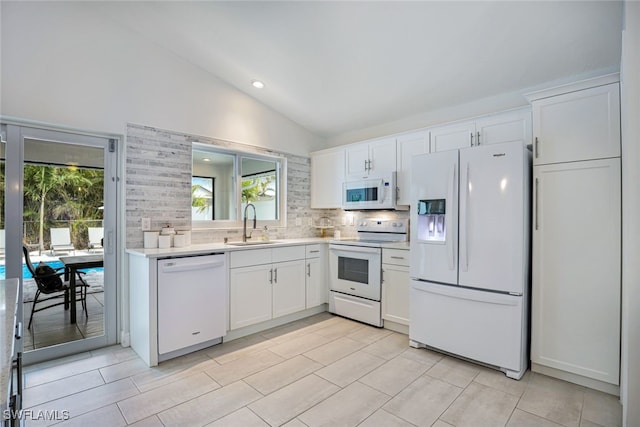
470	263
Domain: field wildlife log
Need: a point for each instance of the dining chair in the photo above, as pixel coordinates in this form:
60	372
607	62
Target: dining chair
50	281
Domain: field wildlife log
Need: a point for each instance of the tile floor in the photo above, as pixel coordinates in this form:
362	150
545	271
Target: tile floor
320	371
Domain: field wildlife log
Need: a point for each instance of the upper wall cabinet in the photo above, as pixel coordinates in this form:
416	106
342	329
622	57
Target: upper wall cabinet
408	145
452	137
578	125
327	175
370	157
504	127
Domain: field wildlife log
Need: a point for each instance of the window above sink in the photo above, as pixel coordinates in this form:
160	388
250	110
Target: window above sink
224	181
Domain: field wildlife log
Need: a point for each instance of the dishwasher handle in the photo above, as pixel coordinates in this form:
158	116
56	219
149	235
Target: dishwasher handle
175	267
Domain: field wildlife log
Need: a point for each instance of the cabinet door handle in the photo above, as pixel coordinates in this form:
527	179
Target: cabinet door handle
471	135
477	138
314	252
309	269
396	257
536	202
381	276
537	150
275	275
271	276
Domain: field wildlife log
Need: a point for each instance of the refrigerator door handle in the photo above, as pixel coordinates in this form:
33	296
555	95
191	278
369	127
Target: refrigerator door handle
536	203
449	218
464	224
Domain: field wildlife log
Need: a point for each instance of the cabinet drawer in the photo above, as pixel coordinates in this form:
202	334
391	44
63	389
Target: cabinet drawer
249	257
288	253
395	256
313	251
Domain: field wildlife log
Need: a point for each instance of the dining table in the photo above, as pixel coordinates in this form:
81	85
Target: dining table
72	264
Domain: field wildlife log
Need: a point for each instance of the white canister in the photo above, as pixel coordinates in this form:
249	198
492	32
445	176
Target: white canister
150	239
164	242
187	237
179	241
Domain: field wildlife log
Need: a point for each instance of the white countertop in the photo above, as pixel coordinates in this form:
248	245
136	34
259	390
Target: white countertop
207	248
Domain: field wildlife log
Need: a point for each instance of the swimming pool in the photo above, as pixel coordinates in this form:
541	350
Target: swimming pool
54	264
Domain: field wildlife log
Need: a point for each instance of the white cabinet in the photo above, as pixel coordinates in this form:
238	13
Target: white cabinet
249	295
407	146
452	137
579	125
509	126
327	176
576	244
316	277
395	285
493	129
576	268
370	157
265	284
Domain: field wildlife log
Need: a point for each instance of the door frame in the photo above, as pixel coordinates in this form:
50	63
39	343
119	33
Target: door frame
14	132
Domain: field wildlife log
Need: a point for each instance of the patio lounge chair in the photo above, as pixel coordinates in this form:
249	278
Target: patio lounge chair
96	234
61	240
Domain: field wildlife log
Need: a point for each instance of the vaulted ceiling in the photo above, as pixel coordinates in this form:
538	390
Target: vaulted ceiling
335	67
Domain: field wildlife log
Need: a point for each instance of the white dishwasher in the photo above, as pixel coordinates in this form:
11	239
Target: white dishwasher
192	302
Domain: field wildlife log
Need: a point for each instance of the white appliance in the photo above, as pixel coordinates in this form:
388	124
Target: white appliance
377	192
192	303
470	254
355	269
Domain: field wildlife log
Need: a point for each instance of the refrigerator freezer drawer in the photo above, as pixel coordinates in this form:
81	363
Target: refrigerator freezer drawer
356	308
483	326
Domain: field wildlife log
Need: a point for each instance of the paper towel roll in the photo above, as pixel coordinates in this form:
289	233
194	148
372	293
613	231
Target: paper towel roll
150	239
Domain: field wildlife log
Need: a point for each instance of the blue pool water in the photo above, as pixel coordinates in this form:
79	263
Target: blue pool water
54	264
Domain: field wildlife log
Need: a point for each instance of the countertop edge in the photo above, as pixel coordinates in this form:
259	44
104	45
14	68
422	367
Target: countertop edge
207	248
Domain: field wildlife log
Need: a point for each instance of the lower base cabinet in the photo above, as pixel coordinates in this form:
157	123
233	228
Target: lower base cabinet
395	286
258	293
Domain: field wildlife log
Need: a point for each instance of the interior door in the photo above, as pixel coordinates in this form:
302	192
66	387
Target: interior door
58	179
494	217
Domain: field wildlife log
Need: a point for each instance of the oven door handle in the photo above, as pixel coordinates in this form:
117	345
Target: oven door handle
348	248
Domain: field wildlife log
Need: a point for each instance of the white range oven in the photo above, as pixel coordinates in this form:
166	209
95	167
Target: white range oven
355	269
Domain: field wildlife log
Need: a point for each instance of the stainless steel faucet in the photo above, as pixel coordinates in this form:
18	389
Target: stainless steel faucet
244	227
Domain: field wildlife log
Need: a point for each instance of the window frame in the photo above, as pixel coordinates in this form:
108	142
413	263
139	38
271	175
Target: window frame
238	155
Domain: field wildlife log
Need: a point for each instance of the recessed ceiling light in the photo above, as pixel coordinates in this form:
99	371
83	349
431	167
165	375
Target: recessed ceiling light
257	84
206	159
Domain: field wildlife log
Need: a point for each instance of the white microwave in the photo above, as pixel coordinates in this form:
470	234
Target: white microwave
370	193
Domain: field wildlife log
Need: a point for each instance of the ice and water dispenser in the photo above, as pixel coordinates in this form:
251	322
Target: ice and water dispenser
431	220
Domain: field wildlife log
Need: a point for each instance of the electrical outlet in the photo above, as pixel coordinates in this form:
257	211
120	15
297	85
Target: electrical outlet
309	221
146	224
298	221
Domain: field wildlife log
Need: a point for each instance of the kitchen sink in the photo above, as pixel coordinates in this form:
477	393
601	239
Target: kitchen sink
254	243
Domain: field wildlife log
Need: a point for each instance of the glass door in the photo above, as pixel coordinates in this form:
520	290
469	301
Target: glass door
60	204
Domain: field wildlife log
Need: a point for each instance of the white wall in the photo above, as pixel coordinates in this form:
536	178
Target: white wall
64	64
630	90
